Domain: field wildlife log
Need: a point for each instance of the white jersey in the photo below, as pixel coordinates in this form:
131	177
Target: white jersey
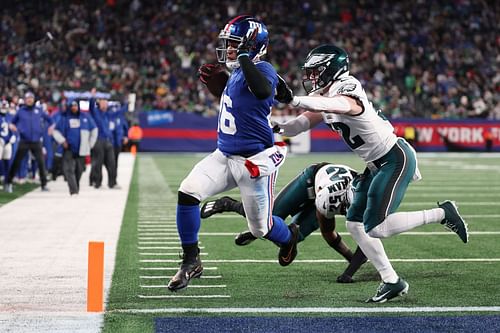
368	134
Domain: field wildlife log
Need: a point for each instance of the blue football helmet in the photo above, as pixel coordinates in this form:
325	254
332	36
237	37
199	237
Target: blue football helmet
233	34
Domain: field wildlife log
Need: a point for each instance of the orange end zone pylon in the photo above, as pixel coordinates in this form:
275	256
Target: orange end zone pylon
95	285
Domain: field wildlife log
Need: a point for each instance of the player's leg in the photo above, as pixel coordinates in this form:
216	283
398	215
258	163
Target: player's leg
209	177
288	202
36	150
97	159
371	247
69	167
387	191
257	195
22	149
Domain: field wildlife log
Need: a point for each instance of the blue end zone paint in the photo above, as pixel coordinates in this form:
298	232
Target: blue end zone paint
454	324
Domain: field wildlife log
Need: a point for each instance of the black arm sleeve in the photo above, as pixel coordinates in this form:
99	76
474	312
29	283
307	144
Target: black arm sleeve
257	82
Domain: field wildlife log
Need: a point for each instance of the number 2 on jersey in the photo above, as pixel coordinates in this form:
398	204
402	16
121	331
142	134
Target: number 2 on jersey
354	142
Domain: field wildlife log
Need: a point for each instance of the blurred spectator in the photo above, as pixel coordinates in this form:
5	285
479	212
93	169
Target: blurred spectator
7	140
119	131
102	152
77	133
416	58
28	121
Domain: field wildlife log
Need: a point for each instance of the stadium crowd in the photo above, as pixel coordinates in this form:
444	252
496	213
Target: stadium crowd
419	58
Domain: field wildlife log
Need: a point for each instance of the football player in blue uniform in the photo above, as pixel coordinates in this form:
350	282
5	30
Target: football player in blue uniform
246	156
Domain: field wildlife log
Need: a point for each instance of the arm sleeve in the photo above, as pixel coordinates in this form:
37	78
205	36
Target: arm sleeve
92	107
295	126
335	104
257	82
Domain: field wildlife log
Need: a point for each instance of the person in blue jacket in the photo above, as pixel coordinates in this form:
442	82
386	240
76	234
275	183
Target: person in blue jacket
77	133
119	131
103	152
28	121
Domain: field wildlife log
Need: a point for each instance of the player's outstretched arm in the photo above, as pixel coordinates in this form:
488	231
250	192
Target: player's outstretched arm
300	124
336	104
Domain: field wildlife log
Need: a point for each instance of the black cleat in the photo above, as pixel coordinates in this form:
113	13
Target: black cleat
244	238
344	278
453	221
387	291
288	252
218	206
190	268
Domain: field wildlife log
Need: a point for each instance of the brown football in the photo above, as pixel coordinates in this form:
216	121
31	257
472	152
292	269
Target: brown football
217	82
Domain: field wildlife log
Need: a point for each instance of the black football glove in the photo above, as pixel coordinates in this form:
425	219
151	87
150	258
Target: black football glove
283	92
207	70
247	43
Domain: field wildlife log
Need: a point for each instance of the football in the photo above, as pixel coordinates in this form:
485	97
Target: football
214	76
217	82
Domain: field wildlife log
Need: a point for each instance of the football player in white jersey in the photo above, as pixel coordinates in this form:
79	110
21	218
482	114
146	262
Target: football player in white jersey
312	199
338	99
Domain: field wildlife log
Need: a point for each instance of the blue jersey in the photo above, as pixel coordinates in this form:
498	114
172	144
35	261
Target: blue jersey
244	126
5	132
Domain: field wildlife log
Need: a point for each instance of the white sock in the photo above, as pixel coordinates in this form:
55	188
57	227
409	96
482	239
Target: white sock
397	223
373	250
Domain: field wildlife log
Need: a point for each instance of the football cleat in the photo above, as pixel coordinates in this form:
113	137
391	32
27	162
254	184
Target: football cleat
387	291
288	252
344	278
453	221
218	206
244	238
190	268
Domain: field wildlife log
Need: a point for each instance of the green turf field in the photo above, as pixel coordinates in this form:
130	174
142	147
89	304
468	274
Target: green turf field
441	270
18	190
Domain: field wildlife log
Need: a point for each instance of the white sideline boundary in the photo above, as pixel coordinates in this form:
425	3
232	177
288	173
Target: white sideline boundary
44	253
315	310
321	261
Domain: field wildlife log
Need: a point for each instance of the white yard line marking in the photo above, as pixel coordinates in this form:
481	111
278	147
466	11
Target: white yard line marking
173	268
179	296
153	242
166	253
157	229
233	216
460	204
310	310
408	233
190	286
160	238
164	247
160	277
456	195
158	234
318	261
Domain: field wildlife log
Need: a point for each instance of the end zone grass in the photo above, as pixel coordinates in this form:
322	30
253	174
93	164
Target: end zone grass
441	270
